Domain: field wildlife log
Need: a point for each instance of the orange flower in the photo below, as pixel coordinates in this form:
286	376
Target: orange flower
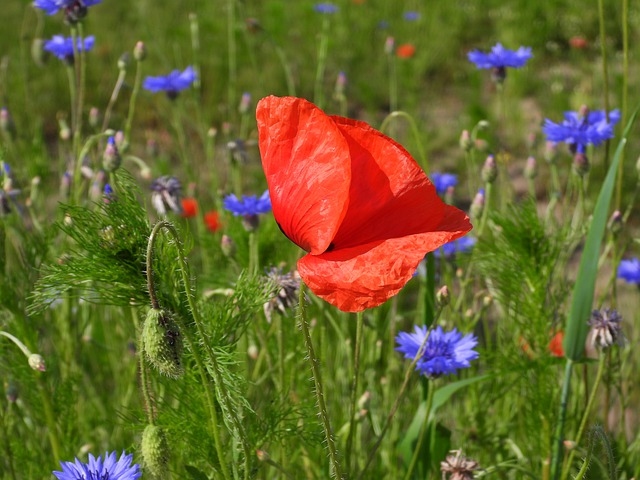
555	345
189	207
406	50
351	197
212	221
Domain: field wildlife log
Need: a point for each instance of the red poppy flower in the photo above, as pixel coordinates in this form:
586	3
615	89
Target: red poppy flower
578	43
555	345
406	50
189	207
212	221
351	197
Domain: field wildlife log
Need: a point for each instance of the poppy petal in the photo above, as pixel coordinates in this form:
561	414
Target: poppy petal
390	194
306	162
367	275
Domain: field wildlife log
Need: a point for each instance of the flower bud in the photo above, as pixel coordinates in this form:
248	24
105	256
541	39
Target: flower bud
341	83
245	103
155	450
489	170
531	169
250	222
389	46
228	246
615	222
140	51
580	164
124	61
7	126
162	342
443	297
551	152
94	117
465	141
64	129
111	159
477	206
37	362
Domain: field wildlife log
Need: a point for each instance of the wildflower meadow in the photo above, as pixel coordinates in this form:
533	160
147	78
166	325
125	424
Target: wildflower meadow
360	239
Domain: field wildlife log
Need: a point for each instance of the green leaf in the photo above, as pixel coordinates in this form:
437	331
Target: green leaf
583	292
440	397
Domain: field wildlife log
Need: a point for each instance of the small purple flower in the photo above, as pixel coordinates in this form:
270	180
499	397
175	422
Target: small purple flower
460	245
442	181
172	83
325	8
411	16
98	469
51	7
249	205
62	47
499	59
629	270
579	129
444	353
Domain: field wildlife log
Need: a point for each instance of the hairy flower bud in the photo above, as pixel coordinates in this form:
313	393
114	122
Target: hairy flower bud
140	51
155	450
37	362
111	159
162	342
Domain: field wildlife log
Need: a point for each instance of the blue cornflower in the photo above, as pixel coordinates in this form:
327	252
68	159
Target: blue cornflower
499	59
51	7
62	47
325	8
579	129
444	353
411	16
97	469
629	270
461	245
249	205
171	83
442	181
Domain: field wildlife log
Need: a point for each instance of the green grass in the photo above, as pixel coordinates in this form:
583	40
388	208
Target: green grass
73	269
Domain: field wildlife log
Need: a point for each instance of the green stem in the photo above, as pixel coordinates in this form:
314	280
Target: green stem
52	428
317	380
323	48
132	102
605	74
114	96
423	431
393	82
430	290
144	381
354	385
488	190
231	45
220	448
586	414
422	156
558	444
625	92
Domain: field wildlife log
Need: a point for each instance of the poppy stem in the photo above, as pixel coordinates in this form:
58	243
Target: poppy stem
354	386
317	380
422	156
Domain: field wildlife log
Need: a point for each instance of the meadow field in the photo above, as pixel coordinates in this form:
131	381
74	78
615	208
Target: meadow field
278	239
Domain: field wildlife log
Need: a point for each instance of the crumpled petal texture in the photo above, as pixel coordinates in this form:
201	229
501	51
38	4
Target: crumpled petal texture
354	199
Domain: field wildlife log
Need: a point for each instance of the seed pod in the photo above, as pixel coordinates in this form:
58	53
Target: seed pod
162	343
155	450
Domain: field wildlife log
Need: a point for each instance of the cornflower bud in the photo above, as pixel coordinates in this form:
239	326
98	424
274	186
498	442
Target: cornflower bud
37	362
228	246
140	51
111	159
550	152
443	297
580	164
124	61
615	222
489	170
94	117
477	206
465	141
7	126
531	168
389	46
245	103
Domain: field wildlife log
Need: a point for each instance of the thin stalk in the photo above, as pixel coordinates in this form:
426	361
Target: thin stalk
556	457
144	385
82	69
317	380
625	92
114	96
52	427
488	191
605	75
323	48
5	441
232	52
423	431
132	102
354	385
586	414
422	156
